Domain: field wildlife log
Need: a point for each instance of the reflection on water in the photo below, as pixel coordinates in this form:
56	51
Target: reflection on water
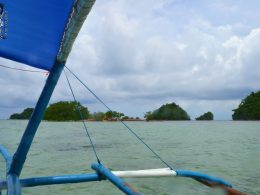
230	150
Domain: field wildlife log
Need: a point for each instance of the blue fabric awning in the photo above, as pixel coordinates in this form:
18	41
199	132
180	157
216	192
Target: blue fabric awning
35	30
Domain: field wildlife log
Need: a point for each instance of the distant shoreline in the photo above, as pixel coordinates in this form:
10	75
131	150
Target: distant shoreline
142	120
115	120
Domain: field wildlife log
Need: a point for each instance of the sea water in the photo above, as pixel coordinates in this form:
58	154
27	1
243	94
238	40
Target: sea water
227	149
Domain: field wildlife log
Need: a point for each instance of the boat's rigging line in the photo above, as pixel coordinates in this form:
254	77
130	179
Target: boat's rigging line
81	117
24	70
130	129
102	102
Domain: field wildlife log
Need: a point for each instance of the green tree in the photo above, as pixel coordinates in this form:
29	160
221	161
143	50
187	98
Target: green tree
117	114
26	114
125	118
113	115
108	115
206	116
65	111
170	111
148	116
249	108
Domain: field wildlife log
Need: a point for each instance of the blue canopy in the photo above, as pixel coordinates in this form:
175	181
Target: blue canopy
36	30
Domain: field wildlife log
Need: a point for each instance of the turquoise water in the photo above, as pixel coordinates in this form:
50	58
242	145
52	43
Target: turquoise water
230	150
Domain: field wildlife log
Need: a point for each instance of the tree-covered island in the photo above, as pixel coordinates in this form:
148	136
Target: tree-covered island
25	114
169	111
60	111
249	108
68	111
206	116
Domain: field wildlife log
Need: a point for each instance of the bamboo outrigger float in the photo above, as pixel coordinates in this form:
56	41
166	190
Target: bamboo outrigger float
33	26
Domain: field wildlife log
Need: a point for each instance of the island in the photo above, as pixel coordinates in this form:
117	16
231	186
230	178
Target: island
25	114
205	117
68	111
60	111
249	108
169	111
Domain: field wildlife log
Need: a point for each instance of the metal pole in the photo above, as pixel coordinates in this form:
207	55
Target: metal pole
13	185
7	156
62	179
29	133
54	180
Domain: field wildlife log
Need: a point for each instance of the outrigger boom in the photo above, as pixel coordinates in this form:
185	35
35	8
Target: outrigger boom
102	173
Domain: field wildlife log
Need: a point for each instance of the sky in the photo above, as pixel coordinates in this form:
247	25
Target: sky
138	55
